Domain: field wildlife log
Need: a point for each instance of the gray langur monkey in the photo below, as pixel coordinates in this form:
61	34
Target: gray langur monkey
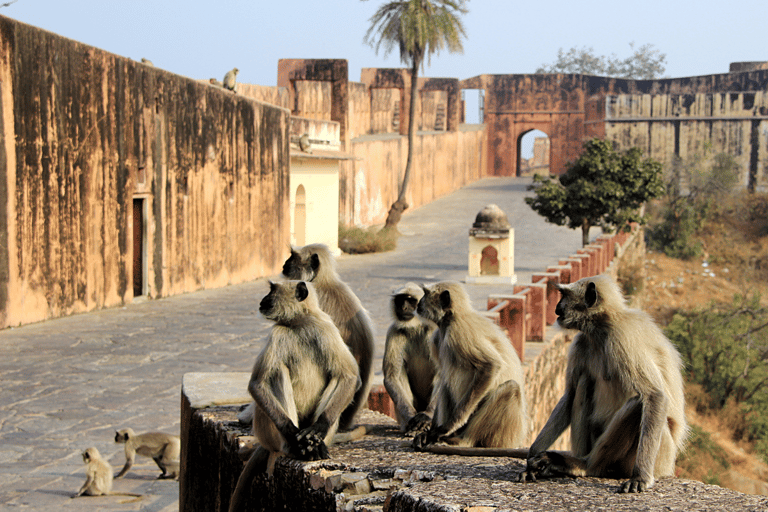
408	366
479	386
301	382
164	449
230	79
623	397
98	476
304	143
315	263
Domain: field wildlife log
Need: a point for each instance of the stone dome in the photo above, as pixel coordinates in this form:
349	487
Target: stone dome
491	220
491	217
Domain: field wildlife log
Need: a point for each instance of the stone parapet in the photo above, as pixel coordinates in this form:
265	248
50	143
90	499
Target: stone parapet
381	472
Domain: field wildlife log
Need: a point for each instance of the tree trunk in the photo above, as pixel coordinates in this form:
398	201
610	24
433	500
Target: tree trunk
585	226
399	206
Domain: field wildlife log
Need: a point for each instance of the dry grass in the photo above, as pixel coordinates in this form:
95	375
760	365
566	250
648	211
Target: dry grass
354	240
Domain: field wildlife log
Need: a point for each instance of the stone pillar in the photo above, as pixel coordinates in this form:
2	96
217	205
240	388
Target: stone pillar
491	248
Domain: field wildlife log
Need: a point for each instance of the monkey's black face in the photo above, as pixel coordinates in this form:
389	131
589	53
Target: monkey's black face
405	307
429	307
297	268
267	303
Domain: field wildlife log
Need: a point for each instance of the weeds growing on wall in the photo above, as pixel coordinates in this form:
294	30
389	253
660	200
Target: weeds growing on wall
354	240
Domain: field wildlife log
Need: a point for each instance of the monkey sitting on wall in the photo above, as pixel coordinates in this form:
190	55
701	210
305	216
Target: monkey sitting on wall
479	386
624	395
315	263
301	382
408	367
98	476
163	448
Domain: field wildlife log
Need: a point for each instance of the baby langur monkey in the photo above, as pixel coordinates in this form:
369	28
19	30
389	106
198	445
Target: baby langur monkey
623	397
163	448
98	476
408	367
301	382
479	385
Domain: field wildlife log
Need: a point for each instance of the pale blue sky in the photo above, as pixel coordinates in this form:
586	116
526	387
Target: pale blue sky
205	39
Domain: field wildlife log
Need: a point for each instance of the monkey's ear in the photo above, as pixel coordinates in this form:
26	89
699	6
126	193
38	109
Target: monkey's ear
590	296
315	262
301	291
445	299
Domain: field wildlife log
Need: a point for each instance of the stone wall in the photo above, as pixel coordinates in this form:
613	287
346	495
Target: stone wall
443	162
120	179
572	108
694	128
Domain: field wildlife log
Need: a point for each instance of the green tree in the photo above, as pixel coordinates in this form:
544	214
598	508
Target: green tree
645	63
418	29
602	187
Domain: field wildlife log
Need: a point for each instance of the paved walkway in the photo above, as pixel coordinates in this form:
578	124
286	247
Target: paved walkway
69	383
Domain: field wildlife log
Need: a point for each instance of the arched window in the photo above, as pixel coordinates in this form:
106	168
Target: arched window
489	262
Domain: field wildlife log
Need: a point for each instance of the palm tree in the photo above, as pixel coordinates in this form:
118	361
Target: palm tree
418	28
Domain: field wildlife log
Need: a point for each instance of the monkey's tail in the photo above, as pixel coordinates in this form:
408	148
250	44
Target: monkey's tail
258	463
352	435
470	451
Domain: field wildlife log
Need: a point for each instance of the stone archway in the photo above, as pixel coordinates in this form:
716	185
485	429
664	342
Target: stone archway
533	153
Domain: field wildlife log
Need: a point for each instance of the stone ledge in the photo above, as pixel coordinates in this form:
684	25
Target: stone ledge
382	472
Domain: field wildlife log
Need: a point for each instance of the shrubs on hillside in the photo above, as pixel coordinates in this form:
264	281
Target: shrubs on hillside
725	350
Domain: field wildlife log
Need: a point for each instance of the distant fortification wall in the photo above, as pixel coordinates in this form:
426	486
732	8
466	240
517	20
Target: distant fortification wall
122	180
673	117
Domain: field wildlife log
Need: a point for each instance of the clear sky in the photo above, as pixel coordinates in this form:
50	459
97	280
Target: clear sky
203	39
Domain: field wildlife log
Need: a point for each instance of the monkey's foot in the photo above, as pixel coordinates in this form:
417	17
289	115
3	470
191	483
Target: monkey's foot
419	423
431	436
636	484
549	465
312	447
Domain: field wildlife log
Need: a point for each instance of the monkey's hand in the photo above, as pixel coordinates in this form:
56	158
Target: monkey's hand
637	484
541	465
419	423
431	436
311	441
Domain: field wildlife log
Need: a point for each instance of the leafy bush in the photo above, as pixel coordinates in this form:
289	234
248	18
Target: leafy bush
355	240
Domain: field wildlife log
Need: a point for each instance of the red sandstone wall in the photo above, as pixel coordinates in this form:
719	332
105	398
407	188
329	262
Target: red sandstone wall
84	133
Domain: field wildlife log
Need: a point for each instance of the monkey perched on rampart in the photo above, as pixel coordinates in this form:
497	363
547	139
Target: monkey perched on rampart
479	396
301	382
164	449
624	395
408	366
315	263
98	476
230	79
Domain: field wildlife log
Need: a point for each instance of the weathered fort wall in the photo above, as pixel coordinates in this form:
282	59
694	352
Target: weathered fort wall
675	116
442	163
120	179
694	128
